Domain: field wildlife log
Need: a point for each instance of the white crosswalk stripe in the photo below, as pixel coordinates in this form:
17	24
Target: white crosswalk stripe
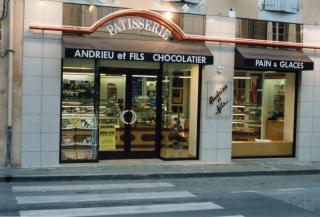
91	187
32	198
121	210
103	197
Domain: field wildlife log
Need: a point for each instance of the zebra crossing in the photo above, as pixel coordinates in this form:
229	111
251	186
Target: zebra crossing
108	198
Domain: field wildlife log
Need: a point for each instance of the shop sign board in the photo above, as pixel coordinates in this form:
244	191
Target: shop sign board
219	98
137	56
281	65
107	137
124	24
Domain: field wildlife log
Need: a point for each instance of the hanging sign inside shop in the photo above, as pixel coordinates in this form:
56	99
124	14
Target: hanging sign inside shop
219	99
124	24
281	65
137	56
107	137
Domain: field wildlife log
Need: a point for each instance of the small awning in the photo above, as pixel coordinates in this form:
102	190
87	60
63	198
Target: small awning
271	59
105	48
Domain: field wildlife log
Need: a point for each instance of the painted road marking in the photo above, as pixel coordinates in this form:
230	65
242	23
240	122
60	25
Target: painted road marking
121	210
239	192
283	189
291	189
102	197
92	187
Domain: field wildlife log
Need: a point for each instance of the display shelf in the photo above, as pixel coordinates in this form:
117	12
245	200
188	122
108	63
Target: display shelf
75	114
78	128
77	145
77	106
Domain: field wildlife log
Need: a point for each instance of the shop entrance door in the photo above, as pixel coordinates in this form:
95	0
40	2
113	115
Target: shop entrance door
128	110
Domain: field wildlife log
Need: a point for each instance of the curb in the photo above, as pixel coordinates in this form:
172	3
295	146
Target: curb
13	178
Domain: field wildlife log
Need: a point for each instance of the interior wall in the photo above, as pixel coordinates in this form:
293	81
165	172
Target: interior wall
120	83
267	103
289	107
193	115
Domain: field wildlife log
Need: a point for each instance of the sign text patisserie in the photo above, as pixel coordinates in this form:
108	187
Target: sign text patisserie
124	24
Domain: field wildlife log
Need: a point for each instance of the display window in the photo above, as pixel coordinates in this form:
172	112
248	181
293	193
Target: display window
78	116
263	114
121	109
180	84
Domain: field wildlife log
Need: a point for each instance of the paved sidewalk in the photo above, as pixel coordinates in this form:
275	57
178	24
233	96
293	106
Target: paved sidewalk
140	169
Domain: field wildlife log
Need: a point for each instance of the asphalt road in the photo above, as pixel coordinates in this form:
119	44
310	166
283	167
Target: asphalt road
253	196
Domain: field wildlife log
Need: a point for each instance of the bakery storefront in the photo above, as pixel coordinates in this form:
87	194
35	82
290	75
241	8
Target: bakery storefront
265	101
130	98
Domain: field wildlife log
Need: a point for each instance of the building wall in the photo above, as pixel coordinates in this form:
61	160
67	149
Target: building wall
41	86
3	90
216	133
308	126
42	76
310	11
243	8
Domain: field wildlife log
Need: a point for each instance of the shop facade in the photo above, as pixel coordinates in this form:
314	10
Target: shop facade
128	91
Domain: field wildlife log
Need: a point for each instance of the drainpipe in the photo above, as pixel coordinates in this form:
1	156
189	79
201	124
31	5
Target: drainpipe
10	72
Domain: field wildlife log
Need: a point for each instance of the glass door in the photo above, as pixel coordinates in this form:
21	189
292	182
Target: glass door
127	113
144	102
112	97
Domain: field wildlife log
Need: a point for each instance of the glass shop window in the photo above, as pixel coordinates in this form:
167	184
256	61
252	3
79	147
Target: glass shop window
263	114
78	118
179	111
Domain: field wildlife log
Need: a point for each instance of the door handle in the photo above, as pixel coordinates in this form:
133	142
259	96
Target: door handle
133	119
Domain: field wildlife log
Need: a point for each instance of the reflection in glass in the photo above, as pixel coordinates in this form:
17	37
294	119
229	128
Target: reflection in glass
112	103
144	105
179	111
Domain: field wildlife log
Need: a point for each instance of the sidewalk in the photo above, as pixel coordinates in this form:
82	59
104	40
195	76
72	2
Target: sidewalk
142	169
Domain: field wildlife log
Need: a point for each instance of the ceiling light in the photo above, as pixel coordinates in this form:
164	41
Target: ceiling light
91	8
168	15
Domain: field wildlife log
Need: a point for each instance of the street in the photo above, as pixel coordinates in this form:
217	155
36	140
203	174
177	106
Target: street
252	196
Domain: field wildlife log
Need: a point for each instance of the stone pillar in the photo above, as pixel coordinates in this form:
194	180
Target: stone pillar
216	133
308	116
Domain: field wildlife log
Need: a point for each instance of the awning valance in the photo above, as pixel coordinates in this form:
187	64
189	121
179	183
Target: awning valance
156	51
271	59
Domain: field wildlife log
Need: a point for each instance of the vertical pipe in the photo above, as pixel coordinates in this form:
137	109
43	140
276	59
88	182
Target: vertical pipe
10	72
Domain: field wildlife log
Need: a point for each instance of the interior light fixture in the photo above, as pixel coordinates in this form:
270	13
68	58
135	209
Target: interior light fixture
186	77
144	76
79	68
242	77
78	73
238	106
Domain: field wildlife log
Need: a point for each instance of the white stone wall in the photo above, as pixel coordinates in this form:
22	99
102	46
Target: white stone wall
308	117
41	86
216	133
